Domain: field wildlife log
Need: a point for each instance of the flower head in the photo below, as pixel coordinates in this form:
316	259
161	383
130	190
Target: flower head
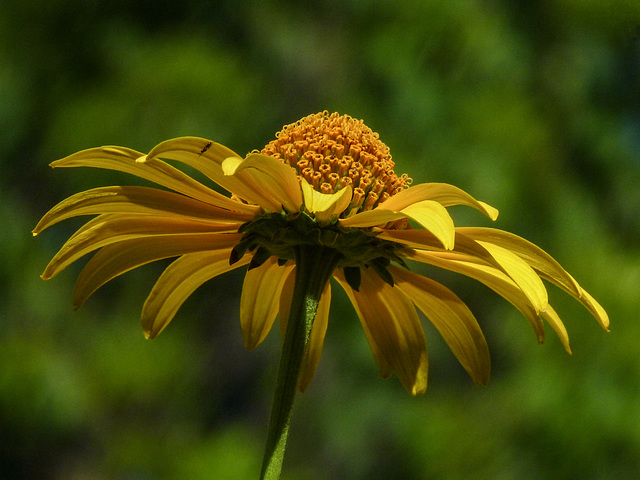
326	182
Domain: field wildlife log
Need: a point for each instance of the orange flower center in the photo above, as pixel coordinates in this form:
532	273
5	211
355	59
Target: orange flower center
333	151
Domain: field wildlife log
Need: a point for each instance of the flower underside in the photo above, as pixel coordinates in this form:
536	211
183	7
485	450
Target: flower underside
325	182
280	235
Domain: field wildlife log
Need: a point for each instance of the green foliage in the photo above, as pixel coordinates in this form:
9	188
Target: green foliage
532	107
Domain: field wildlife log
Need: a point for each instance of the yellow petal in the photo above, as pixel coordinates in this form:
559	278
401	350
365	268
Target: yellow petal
199	153
428	214
541	261
260	300
434	217
178	282
443	193
113	228
324	205
425	240
451	317
384	368
265	181
371	218
553	319
492	277
594	307
499	258
136	200
135	163
118	258
521	273
547	267
318	330
393	329
203	155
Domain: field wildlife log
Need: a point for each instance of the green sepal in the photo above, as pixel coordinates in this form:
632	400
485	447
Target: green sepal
353	277
380	265
246	243
261	256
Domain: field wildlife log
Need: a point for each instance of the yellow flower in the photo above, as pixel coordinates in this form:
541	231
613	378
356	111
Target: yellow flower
326	183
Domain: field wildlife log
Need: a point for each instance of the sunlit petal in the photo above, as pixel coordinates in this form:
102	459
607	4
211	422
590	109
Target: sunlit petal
178	282
492	277
521	273
546	266
199	153
425	240
445	194
266	181
451	317
595	308
203	155
325	205
135	163
121	257
392	322
371	218
260	300
428	214
552	318
541	261
433	217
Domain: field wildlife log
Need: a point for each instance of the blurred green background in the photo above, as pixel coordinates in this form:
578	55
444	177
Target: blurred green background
532	106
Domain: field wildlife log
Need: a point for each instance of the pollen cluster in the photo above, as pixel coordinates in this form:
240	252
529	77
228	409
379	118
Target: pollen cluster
331	151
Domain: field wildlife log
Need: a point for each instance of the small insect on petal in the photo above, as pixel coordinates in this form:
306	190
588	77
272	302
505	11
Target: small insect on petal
205	148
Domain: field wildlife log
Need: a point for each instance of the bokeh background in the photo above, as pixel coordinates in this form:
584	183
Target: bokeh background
531	106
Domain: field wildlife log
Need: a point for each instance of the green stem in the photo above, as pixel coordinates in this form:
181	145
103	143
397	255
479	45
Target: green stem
314	266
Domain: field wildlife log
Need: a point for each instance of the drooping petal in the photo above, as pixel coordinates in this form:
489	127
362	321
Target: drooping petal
318	330
445	194
393	328
433	217
451	317
425	240
540	260
269	185
543	263
203	155
492	277
199	153
136	200
595	308
521	273
118	258
178	282
260	300
266	181
428	214
385	369
552	318
135	163
108	229
324	205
